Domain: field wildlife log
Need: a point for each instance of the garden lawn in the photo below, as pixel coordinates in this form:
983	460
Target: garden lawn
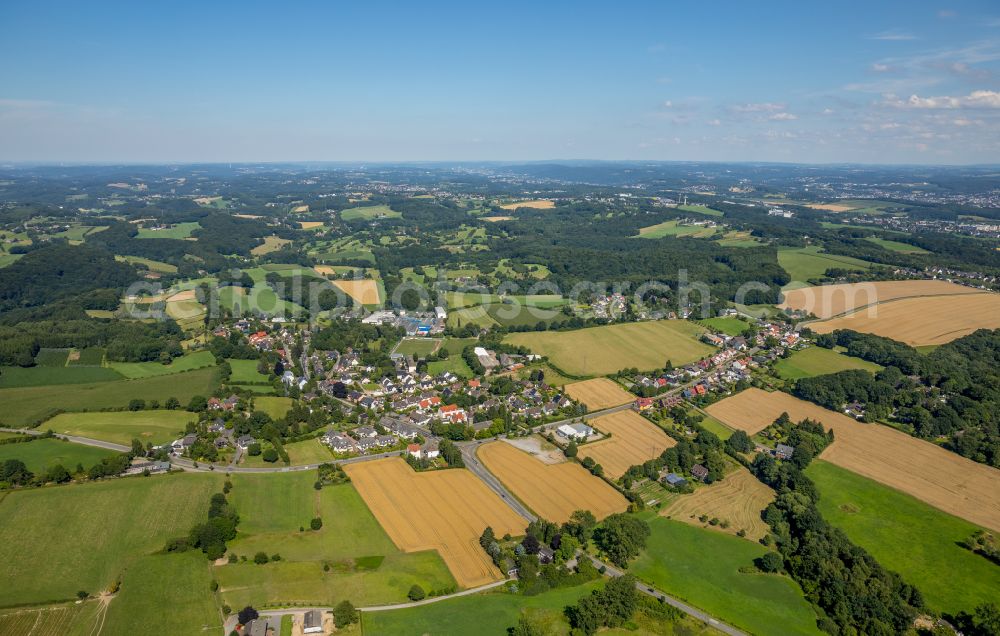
29	405
814	361
702	567
276	407
726	325
59	540
188	362
121	427
455	363
909	537
488	613
43	453
168	590
245	372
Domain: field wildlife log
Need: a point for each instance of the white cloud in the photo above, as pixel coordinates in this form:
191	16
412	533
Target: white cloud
763	107
892	35
668	104
975	99
947	13
827	111
880	68
783	117
714	122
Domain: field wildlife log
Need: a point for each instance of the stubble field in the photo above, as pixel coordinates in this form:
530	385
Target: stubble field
827	301
738	499
608	349
445	511
552	491
599	393
634	440
943	479
537	205
363	291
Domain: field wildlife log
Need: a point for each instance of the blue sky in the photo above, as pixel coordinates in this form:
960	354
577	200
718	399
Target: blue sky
870	82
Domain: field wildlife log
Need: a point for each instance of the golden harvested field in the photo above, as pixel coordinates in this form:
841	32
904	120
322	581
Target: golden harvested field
634	440
308	225
188	294
443	510
494	219
827	301
599	393
738	499
931	320
363	291
537	204
832	207
552	491
943	479
270	244
301	208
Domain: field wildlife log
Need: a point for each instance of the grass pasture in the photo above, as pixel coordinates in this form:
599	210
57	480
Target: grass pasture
814	361
187	362
805	263
419	347
25	406
245	372
41	454
151	265
938	477
700	209
634	440
599	393
121	427
438	510
68	619
270	244
727	325
897	246
607	349
740	499
674	228
13	377
567	486
370	212
103	528
909	537
176	231
276	407
675	561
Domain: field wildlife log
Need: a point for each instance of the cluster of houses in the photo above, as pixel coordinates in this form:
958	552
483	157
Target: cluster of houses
414	323
609	306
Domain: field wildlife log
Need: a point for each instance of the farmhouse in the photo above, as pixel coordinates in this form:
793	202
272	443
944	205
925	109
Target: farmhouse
699	472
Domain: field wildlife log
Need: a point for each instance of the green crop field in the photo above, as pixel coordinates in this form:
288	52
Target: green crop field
11	377
604	350
187	362
26	406
245	372
488	613
673	228
153	266
178	231
89	357
675	561
59	540
806	263
726	325
701	209
170	591
121	427
43	453
349	557
819	361
369	212
417	346
909	537
896	246
276	407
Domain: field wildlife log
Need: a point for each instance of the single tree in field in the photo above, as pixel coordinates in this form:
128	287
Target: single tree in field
416	593
344	614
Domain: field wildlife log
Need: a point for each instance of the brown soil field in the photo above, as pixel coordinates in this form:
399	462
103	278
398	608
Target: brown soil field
308	225
738	499
494	219
538	205
943	479
363	291
552	491
827	301
634	440
599	393
930	320
443	510
832	207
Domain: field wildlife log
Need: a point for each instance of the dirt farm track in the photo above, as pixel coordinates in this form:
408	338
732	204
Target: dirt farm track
440	510
552	491
943	479
634	440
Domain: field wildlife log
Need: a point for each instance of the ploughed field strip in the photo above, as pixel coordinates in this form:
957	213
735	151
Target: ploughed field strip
552	491
443	510
634	440
599	393
943	479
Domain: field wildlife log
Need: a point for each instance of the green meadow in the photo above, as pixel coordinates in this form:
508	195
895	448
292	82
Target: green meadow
814	361
177	231
276	407
908	536
702	567
245	372
58	540
13	377
121	427
369	212
26	406
43	453
805	263
897	246
187	362
700	209
727	325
